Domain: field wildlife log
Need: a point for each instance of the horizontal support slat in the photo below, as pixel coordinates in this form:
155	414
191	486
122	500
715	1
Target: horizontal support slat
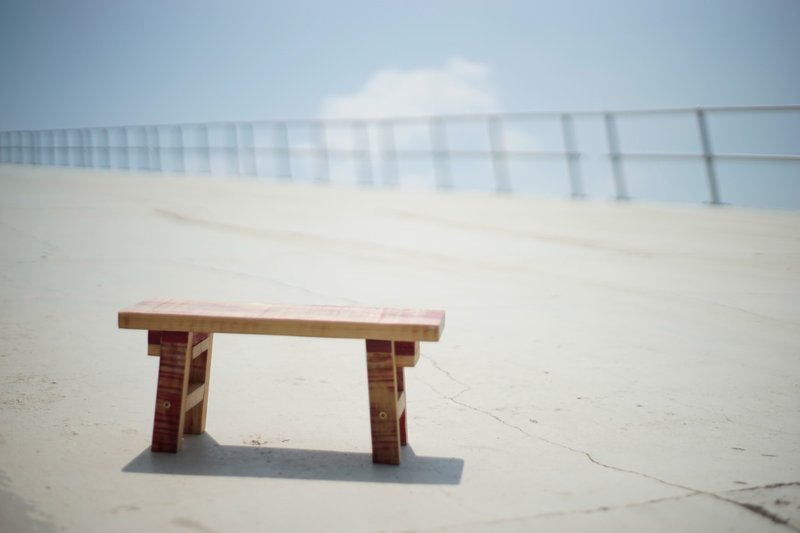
294	320
195	394
406	353
201	347
401	404
154	344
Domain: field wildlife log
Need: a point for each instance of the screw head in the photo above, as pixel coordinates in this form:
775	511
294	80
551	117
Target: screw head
382	415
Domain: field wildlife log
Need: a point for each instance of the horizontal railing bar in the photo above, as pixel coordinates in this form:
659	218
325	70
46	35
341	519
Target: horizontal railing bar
403	153
763	157
307	150
425	118
681	110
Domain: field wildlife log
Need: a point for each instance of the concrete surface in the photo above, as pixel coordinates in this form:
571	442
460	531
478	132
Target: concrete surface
604	367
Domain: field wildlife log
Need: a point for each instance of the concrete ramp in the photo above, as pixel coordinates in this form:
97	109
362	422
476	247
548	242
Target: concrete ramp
604	366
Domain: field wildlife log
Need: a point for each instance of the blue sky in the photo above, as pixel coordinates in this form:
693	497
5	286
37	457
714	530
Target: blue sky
83	63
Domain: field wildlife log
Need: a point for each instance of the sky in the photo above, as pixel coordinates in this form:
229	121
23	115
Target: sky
85	63
93	62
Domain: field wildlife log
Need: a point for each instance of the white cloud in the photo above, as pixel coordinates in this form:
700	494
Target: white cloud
459	86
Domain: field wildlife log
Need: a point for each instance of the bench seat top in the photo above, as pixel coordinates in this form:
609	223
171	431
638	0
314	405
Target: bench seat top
283	319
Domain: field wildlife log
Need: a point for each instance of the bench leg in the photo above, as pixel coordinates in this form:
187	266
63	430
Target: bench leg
383	398
199	373
401	388
173	380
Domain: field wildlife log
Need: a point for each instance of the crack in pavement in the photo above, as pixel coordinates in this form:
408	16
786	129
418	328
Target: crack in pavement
605	508
555	514
756	509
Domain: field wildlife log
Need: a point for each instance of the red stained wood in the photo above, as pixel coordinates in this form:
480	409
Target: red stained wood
379	346
153	337
406	348
384	422
173	379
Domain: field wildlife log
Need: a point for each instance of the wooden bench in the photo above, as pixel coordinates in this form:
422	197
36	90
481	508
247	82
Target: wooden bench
181	332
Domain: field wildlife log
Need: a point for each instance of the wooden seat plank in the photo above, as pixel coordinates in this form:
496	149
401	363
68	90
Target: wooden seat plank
283	319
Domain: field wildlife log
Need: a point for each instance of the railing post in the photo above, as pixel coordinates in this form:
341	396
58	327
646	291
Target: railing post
148	165
234	161
180	148
51	147
155	147
89	148
361	138
21	148
68	144
616	157
390	170
499	162
22	151
82	147
251	133
207	148
35	147
708	157
439	153
45	151
572	156
18	148
126	148
323	164
106	145
282	141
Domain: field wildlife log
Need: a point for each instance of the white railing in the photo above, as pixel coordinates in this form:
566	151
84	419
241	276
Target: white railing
274	148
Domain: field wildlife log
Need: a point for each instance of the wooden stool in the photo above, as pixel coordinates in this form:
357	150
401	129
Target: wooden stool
181	332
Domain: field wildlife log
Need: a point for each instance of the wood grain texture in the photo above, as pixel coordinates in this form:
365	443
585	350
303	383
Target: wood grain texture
199	372
154	343
383	396
173	379
401	405
401	390
200	341
294	320
406	353
201	346
194	395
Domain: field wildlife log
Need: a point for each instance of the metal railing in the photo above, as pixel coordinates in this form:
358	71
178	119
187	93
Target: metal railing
248	147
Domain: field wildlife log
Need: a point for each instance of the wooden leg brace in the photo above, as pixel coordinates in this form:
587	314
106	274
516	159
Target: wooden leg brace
386	361
182	393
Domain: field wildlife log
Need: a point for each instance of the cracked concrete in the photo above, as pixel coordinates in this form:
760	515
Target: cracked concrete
761	510
604	367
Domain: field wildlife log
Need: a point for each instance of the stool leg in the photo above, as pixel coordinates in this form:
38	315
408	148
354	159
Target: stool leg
173	379
401	388
384	423
199	373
